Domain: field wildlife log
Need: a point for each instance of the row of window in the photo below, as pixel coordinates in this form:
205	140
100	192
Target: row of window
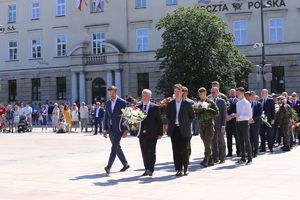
142	44
61	89
60	9
275	26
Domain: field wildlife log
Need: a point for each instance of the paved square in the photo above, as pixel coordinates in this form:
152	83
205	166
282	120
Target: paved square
40	166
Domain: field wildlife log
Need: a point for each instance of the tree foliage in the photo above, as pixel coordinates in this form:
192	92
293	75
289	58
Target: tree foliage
197	49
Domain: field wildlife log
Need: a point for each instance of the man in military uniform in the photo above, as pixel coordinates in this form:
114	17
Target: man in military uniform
207	129
283	119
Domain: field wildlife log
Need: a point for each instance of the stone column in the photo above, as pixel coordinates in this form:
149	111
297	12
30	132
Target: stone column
82	87
108	81
74	87
118	82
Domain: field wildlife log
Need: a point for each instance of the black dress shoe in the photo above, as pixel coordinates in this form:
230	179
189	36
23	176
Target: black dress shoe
229	155
186	172
286	149
271	150
95	134
149	173
222	162
204	164
144	174
249	162
254	155
179	173
107	170
241	162
262	150
124	168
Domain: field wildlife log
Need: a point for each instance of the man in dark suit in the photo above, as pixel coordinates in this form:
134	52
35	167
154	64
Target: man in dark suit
231	124
114	127
98	116
151	129
255	122
294	102
268	105
180	115
218	142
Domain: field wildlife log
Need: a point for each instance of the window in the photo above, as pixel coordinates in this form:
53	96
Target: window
278	83
12	50
12	90
36	49
12	13
36	89
35	10
60	8
61	46
98	39
61	88
95	8
142	41
172	2
140	3
240	32
275	30
143	82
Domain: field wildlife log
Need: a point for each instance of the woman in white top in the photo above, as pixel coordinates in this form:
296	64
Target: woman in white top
74	117
55	117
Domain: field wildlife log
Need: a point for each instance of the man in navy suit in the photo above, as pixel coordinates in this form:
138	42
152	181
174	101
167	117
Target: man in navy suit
114	127
294	102
268	105
151	129
255	122
98	116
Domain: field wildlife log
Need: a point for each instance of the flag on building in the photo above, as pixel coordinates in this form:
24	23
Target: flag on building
99	4
78	4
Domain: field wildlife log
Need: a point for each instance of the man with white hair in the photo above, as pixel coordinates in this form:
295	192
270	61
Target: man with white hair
151	129
84	115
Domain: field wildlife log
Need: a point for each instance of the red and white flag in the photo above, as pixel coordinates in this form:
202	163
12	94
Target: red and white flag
78	4
99	4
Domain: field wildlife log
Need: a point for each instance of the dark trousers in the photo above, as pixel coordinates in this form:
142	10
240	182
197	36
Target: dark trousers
148	148
98	122
277	134
254	136
243	135
181	149
266	134
232	131
116	150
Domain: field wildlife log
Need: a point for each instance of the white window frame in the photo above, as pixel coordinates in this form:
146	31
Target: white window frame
97	43
60	8
12	13
243	39
142	39
172	2
34	48
140	3
35	10
61	46
276	28
14	50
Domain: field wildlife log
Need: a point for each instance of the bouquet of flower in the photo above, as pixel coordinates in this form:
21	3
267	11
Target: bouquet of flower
133	117
204	111
163	105
265	120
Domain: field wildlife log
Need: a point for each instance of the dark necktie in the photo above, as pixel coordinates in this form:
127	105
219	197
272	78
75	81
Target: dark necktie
145	108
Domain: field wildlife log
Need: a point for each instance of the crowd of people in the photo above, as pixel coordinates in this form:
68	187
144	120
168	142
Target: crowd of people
256	122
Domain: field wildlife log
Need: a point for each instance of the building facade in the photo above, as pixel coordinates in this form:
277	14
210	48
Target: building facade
49	50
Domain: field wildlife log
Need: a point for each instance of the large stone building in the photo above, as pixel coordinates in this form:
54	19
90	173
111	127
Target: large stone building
49	50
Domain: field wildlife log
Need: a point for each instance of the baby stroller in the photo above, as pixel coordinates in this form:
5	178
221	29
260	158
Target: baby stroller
23	125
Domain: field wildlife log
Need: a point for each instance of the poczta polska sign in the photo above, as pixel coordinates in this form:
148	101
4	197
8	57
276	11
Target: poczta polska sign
223	7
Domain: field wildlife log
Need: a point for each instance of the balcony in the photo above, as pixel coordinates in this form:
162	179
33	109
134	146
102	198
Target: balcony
95	60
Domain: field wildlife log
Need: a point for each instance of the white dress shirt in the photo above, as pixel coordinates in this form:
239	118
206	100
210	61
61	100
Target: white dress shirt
97	111
243	110
147	107
113	103
178	105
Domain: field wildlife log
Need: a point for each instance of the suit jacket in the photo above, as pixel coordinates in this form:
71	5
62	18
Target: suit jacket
100	113
113	119
152	126
257	111
296	106
220	119
232	109
269	108
186	116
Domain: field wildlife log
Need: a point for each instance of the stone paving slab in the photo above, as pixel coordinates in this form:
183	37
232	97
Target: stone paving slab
46	166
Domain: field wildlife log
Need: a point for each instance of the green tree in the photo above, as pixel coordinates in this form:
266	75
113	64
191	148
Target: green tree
197	49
